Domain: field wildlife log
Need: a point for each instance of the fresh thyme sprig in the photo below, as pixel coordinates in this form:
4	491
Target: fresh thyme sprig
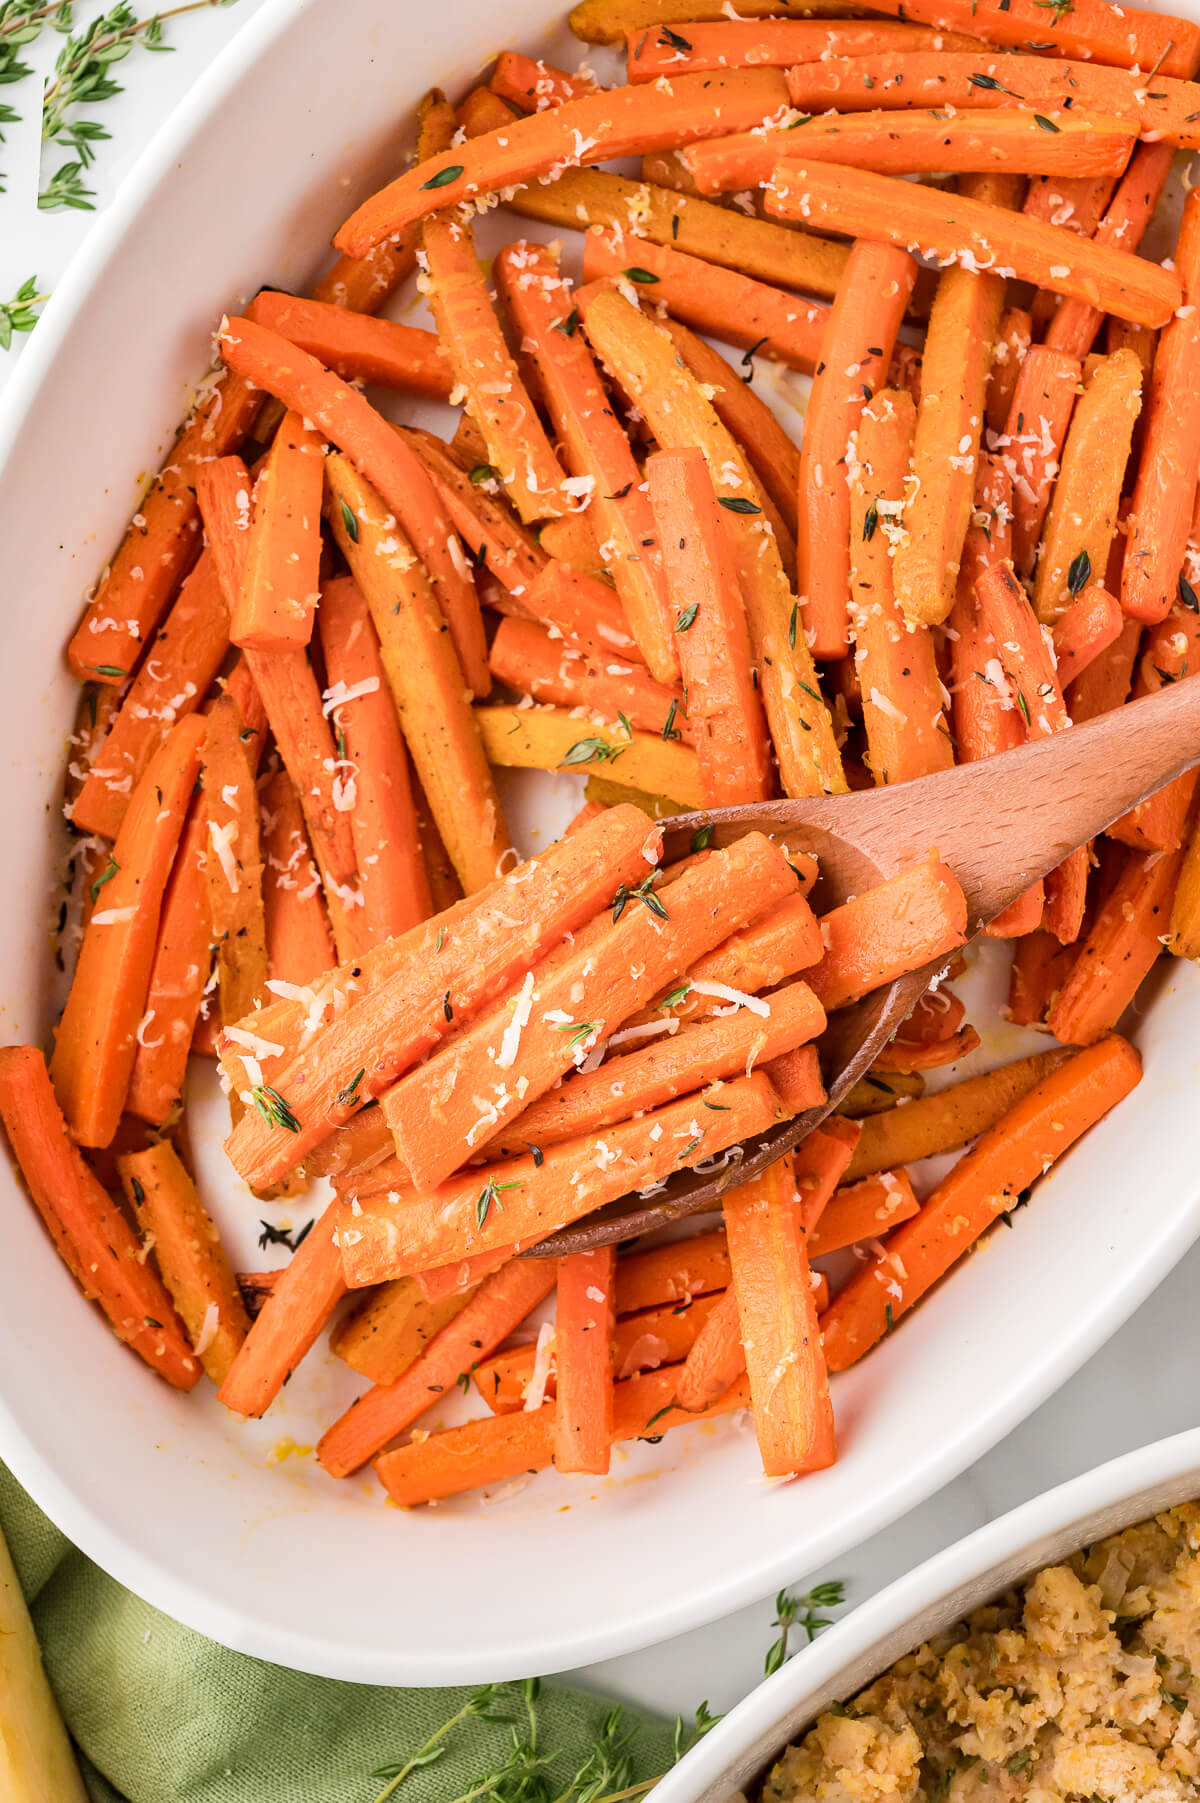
802	1612
21	22
19	314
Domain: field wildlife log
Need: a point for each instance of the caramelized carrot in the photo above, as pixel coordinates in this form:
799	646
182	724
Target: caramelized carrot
583	1347
178	978
895	927
796	1076
1088	627
357	347
297	1309
274	608
299	943
1014	335
1121	943
391	1327
1042	403
529	659
1169	654
716	1359
863	1211
772	43
533	86
1078	319
233	862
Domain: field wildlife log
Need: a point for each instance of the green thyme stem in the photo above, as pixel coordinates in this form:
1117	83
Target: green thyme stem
18	314
418	1758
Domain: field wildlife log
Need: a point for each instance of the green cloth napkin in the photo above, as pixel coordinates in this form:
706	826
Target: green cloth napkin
162	1715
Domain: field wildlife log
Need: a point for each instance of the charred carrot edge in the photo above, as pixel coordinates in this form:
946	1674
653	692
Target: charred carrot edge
233	861
391	1327
550	738
645	364
1165	490
1121	944
463	960
1014	336
499	1447
425	677
1010	1156
1090	625
727	724
1082	518
532	86
355	346
461	1217
299	943
383	819
775	43
888	930
616	122
894	658
97	1035
181	664
1076	321
716	1358
90	1234
275	605
875	1094
858	201
594	444
499	1305
583	1357
443	1112
188	1251
711	299
1034	433
529	659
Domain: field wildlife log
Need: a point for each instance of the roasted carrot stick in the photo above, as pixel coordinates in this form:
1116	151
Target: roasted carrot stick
1165	491
549	738
529	659
274	608
672	1273
583	1348
1014	335
426	680
855	354
381	454
784	940
178	978
533	86
894	927
299	943
718	301
499	1305
357	347
1184	936
1076	321
97	1035
716	1358
391	1327
987	1181
797	1077
179	667
383	819
480	111
1106	682
728	727
960	228
774	43
464	1095
363	284
610	21
187	1248
520	1200
500	1447
90	1233
463	961
595	446
224	495
1083	511
233	862
295	1312
613	123
1088	627
894	658
644	361
820	1162
1121	944
1040	962
1170	653
1032	442
863	1211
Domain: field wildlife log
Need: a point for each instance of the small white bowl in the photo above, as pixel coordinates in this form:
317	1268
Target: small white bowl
297	120
742	1747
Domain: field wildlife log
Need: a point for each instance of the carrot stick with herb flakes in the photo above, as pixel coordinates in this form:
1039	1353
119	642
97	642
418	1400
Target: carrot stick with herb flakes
461	1097
894	658
442	972
1090	625
96	1039
187	1248
1034	434
863	1211
532	661
391	1327
357	347
295	1312
178	978
1077	321
583	1334
610	21
1014	336
644	361
612	123
705	48
274	608
233	862
90	1233
888	930
594	443
728	727
299	943
1010	1156
425	677
550	738
383	820
1121	944
499	1305
521	1199
960	227
857	349
533	86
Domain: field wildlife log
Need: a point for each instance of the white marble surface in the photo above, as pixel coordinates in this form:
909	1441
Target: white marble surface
1140	1387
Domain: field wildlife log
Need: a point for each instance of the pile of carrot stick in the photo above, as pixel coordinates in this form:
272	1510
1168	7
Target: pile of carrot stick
324	632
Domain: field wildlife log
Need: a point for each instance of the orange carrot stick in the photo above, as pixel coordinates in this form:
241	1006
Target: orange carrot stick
224	495
1077	320
863	1211
1014	335
533	86
465	1094
903	1056
1079	203
355	346
782	941
233	862
295	1312
894	659
615	122
363	284
583	1346
772	43
595	446
886	931
481	111
717	1357
390	1328
1032	443
461	962
90	1234
1009	1157
499	1305
821	1161
728	726
1088	627
1121	944
672	1273
178	978
97	1035
857	349
797	1078
186	655
777	1309
1106	682
1040	962
719	301
299	943
1170	653
274	608
960	227
519	1200
532	661
383	819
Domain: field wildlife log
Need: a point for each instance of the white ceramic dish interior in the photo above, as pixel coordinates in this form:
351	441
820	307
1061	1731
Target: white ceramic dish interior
230	1527
735	1754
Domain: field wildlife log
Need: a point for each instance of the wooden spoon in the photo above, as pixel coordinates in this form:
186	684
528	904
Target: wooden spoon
1000	825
